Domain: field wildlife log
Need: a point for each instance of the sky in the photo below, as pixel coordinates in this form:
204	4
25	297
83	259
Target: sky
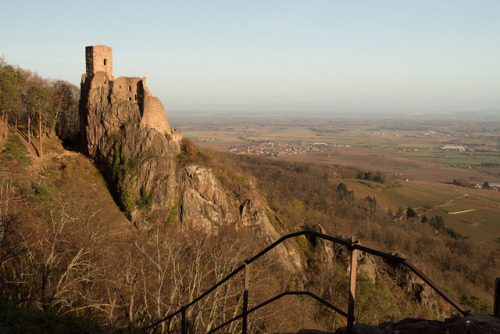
379	56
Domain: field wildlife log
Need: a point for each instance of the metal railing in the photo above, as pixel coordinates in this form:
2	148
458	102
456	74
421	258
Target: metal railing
353	247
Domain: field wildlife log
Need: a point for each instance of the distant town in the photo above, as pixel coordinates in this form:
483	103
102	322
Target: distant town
282	148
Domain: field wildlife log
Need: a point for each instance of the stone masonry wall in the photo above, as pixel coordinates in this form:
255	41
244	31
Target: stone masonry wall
99	64
99	58
128	89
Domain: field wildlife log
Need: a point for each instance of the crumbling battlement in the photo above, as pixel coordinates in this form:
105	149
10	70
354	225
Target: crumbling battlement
99	75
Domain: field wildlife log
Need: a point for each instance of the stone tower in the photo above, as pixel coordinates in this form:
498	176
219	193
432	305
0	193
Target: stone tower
99	58
124	94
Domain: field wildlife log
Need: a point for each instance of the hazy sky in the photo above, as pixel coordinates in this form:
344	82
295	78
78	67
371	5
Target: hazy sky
273	55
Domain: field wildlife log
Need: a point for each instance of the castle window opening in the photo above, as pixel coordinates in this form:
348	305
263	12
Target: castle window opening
135	97
104	61
120	86
129	88
130	99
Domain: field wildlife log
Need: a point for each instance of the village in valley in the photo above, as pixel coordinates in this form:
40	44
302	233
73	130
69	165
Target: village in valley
282	148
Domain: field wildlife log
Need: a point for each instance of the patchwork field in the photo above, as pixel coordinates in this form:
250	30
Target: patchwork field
407	148
471	212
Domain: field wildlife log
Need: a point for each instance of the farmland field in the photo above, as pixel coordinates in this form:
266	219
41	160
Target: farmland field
471	212
407	148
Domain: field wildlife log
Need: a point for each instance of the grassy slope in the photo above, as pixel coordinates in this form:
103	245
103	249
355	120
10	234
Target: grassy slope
432	198
61	178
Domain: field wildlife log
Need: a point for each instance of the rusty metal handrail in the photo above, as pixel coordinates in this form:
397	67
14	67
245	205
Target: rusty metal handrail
269	301
353	246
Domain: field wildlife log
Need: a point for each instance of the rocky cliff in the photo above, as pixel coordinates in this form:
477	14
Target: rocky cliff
143	162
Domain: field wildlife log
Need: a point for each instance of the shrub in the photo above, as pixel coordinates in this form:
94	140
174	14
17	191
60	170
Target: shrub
454	234
127	198
410	213
437	222
374	301
188	147
476	304
372	201
146	199
173	212
344	193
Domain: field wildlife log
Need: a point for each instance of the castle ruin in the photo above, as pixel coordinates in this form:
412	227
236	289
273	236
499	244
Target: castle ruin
99	70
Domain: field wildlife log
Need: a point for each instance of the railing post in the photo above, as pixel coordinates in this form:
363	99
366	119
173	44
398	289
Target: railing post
244	324
183	321
496	305
352	289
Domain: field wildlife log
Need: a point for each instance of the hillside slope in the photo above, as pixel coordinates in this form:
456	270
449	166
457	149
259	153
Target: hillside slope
67	194
142	223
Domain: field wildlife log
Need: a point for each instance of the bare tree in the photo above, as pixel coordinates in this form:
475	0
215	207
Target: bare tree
37	101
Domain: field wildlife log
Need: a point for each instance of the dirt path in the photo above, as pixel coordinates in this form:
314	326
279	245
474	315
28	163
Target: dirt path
453	200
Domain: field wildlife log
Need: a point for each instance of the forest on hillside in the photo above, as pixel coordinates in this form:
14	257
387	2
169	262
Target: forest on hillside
66	248
37	106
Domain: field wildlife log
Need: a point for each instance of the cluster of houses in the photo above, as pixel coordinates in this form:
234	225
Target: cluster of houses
490	186
457	148
460	148
279	148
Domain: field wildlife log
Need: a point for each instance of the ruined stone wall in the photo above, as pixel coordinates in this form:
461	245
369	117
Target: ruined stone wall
153	115
99	58
124	89
128	89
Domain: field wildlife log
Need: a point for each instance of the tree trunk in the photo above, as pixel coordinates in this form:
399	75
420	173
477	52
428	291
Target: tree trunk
16	124
29	129
40	133
2	134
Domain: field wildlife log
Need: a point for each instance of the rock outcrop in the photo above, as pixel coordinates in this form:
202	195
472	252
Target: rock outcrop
204	204
126	130
139	158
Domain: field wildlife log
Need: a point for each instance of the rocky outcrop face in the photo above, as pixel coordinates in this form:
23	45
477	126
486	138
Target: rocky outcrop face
140	160
253	215
125	129
150	184
204	204
367	264
418	290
